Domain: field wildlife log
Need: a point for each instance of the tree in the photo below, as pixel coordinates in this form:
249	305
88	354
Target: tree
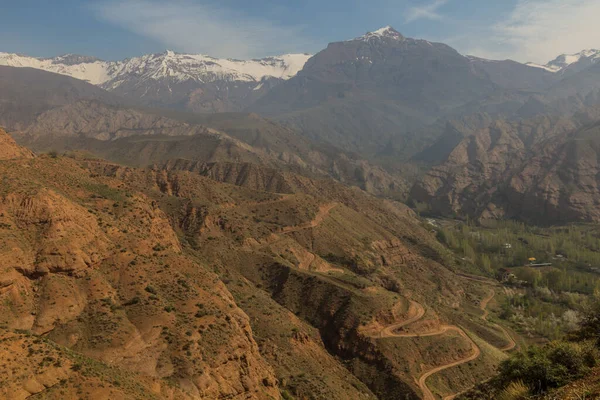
590	324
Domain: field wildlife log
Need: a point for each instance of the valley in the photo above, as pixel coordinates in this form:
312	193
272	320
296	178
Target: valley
276	244
385	219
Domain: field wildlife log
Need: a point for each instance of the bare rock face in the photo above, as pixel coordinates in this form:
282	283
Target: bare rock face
9	150
541	170
561	183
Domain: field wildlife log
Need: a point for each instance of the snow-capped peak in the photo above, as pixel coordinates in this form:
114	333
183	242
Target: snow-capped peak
386	32
168	65
562	62
85	68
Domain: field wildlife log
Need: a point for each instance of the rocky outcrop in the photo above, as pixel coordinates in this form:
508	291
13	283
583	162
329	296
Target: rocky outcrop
560	183
540	170
9	150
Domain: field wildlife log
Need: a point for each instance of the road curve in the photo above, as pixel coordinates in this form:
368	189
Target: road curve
316	221
416	312
511	345
484	303
511	342
427	394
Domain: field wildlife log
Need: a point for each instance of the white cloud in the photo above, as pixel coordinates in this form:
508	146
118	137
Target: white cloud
428	11
203	28
538	31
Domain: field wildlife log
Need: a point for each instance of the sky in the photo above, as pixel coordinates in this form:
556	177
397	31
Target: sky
522	30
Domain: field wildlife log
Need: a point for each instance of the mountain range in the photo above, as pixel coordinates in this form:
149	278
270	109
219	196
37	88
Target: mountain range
176	226
189	81
377	111
375	93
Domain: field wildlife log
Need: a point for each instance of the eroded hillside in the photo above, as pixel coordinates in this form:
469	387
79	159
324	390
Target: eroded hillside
99	270
540	170
192	287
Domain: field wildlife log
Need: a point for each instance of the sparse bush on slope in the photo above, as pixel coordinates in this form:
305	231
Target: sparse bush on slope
515	391
551	366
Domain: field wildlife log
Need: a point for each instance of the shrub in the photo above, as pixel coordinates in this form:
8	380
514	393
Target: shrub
590	325
515	391
551	366
286	395
150	289
132	302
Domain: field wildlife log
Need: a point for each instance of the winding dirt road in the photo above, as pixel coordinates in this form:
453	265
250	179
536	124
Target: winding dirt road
316	221
427	394
321	215
511	342
415	312
484	303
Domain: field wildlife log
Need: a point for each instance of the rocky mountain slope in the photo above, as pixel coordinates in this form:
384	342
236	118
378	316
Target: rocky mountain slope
162	283
84	266
512	75
142	138
27	92
540	170
9	150
366	92
570	84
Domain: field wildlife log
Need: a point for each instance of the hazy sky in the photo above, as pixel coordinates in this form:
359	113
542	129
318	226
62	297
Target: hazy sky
523	30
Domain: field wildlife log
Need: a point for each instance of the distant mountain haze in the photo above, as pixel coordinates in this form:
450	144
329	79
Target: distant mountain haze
376	111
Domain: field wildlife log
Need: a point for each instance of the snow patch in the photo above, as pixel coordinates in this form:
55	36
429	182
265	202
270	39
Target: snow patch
560	63
385	32
546	67
95	72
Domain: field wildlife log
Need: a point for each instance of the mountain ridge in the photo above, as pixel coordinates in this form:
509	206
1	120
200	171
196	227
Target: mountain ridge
168	64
